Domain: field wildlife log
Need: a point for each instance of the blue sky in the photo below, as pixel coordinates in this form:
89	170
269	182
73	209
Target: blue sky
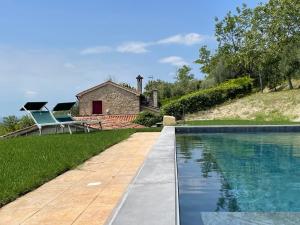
52	49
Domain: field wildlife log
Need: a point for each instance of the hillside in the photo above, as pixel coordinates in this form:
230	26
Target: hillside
282	105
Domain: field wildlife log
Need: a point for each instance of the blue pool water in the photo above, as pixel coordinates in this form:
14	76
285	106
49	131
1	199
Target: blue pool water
231	172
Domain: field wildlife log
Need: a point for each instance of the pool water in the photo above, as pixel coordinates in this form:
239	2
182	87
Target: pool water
237	172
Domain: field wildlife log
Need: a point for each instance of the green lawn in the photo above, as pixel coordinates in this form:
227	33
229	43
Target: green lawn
28	162
237	122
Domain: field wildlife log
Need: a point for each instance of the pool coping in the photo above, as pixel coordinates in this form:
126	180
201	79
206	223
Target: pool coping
159	204
237	128
152	196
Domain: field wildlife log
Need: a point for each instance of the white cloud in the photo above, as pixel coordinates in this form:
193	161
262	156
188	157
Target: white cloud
133	47
69	65
185	39
139	47
37	74
96	50
30	93
174	60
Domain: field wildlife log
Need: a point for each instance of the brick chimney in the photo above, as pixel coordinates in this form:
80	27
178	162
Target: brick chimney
139	80
155	98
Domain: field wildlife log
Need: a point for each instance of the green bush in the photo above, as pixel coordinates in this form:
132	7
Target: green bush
25	121
2	130
147	119
13	123
207	98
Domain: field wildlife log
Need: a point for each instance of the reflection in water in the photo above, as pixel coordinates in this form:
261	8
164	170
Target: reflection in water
226	201
237	172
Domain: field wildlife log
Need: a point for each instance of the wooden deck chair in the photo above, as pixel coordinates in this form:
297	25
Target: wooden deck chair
41	117
62	114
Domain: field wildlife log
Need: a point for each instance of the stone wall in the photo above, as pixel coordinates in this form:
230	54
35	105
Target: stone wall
114	99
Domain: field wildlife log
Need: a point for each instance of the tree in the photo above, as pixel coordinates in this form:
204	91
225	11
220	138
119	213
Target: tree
261	42
289	64
184	74
10	123
204	59
127	85
25	121
75	109
164	89
185	82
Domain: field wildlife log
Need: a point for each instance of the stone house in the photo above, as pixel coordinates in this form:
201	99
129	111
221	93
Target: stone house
110	98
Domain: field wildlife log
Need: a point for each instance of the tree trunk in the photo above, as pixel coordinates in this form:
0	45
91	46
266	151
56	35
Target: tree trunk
290	83
261	83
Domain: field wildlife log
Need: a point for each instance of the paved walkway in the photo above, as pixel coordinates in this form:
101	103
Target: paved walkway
86	195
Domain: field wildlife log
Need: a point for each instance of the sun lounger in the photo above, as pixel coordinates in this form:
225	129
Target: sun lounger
41	117
62	114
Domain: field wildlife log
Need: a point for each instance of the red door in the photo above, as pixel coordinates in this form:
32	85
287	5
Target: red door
97	107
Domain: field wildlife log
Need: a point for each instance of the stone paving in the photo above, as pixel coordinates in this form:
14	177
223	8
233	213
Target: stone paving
87	194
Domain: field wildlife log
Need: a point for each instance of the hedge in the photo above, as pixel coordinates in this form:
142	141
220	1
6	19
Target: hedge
207	98
147	119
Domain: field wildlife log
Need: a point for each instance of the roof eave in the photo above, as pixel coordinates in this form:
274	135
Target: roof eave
103	84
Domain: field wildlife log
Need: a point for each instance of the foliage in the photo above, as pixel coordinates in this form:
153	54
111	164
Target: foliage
12	123
185	82
207	98
75	109
147	119
2	130
239	122
271	116
25	121
126	85
263	42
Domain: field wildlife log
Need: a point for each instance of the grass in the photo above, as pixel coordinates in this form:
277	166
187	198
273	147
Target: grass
237	122
281	105
149	129
28	162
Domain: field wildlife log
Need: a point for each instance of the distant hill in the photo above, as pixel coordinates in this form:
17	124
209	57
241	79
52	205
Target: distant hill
281	105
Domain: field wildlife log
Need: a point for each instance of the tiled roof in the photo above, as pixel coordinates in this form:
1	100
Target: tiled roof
111	121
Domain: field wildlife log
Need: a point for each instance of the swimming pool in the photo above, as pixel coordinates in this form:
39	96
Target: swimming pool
247	174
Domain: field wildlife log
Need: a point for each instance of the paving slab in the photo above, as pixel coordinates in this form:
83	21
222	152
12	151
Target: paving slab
87	194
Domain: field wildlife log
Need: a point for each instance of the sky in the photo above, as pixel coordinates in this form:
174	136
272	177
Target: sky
51	50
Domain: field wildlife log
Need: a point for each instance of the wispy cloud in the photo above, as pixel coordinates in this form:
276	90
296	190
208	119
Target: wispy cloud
42	75
139	47
185	39
30	93
174	61
96	50
133	47
69	65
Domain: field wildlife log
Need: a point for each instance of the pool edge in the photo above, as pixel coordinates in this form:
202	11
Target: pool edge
236	128
152	196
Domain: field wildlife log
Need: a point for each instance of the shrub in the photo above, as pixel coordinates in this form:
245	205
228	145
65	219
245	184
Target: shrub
147	119
207	98
10	123
13	123
25	121
2	130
